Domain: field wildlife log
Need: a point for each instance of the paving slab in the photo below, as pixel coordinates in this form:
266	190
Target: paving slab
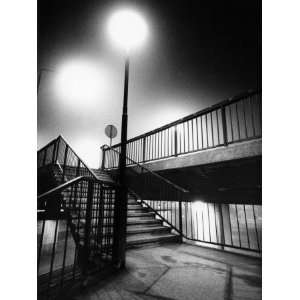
181	272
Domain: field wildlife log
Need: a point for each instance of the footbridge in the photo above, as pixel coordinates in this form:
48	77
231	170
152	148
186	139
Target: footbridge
214	153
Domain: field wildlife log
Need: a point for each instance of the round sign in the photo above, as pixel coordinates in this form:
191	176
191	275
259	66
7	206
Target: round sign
111	131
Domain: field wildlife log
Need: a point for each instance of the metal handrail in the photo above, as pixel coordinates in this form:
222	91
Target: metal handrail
218	105
61	187
72	181
148	170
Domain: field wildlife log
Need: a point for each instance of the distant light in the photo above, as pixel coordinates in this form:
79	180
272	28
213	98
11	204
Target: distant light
80	82
127	28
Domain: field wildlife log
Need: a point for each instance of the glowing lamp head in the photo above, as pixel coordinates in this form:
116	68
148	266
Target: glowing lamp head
127	28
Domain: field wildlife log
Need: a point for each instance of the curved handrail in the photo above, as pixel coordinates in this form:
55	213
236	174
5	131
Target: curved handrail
148	170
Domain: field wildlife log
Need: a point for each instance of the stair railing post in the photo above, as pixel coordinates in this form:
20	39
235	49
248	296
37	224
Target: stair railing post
55	150
224	125
65	162
180	217
175	141
78	167
144	148
87	228
103	157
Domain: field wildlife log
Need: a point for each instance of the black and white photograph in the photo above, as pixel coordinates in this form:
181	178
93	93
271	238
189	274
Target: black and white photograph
149	150
147	173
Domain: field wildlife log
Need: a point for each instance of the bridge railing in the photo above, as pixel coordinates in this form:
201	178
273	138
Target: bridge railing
58	151
230	121
232	226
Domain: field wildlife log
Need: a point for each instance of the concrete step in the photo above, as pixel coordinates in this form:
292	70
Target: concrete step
149	238
140	214
132	221
147	229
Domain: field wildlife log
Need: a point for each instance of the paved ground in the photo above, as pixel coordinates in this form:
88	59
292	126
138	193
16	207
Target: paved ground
183	272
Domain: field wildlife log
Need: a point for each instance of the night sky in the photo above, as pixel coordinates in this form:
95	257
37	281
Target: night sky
198	53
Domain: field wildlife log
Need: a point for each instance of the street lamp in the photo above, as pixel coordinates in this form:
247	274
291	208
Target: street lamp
128	30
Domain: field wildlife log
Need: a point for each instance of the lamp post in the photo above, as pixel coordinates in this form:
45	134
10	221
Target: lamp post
128	30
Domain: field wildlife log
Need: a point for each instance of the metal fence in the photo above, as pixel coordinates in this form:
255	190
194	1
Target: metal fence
227	122
75	233
225	225
58	151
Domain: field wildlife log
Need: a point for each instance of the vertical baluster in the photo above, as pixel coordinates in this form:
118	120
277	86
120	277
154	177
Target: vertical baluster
184	137
202	140
41	244
193	146
245	118
256	231
230	107
192	223
188	135
175	141
252	115
206	125
230	229
222	232
52	255
186	218
246	226
224	125
218	130
180	217
216	223
202	224
238	224
64	256
197	133
65	162
208	221
197	224
212	129
238	121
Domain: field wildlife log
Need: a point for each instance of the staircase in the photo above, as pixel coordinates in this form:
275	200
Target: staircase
142	225
143	228
80	203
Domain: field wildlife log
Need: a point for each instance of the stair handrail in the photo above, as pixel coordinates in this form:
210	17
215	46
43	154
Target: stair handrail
150	171
61	187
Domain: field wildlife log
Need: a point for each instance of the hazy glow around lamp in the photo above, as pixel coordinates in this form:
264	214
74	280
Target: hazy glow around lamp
128	29
80	82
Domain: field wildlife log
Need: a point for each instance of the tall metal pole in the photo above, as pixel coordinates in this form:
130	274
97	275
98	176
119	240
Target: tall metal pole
121	197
